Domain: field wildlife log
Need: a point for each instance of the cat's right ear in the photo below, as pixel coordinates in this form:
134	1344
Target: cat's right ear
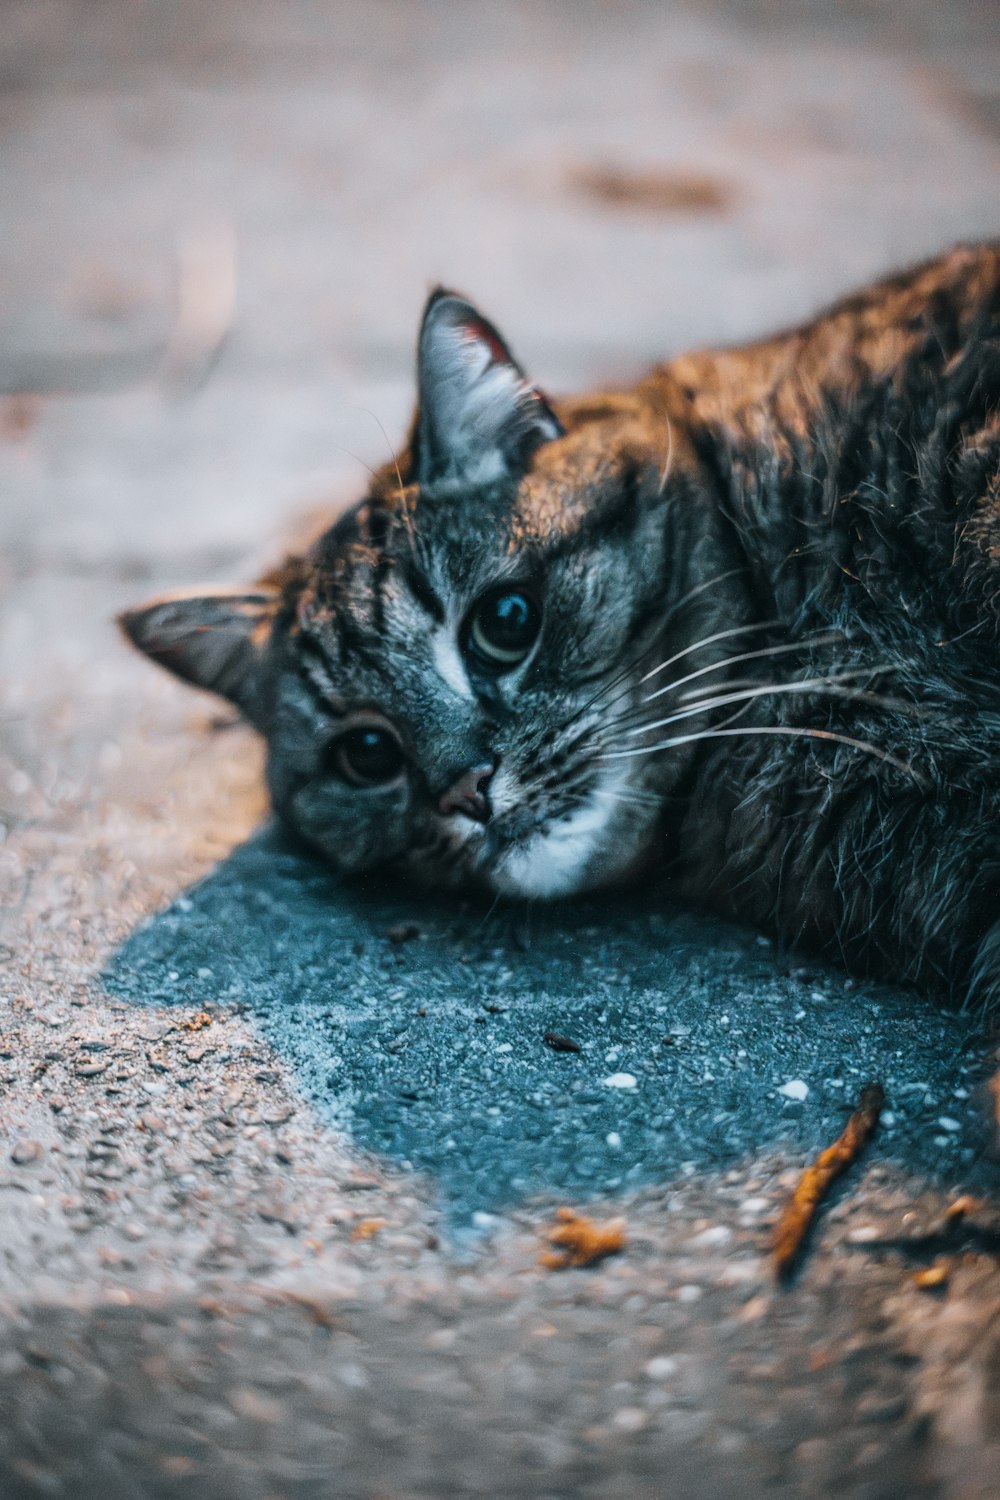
216	641
479	415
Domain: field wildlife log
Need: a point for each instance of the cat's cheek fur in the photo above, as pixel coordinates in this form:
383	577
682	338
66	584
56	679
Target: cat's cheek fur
354	830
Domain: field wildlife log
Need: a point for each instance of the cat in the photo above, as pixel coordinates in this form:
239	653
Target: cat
739	623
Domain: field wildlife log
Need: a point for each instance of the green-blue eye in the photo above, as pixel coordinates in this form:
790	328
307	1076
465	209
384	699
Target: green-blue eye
503	628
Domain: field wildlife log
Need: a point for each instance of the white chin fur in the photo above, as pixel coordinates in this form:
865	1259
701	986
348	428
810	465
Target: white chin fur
564	860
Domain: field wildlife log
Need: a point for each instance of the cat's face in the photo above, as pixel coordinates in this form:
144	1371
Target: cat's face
448	683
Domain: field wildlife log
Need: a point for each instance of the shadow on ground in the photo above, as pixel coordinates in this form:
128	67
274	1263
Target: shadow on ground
430	1048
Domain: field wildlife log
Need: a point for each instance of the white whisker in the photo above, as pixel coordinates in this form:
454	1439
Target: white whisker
700	588
831	638
708	640
793	731
828	686
669	461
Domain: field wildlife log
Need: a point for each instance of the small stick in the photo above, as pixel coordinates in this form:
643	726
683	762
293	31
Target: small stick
811	1187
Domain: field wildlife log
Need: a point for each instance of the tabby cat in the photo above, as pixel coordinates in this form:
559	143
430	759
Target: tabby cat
740	622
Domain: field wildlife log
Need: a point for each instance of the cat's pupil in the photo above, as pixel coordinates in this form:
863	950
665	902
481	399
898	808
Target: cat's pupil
504	627
367	756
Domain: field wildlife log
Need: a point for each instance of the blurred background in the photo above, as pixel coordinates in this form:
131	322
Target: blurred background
220	221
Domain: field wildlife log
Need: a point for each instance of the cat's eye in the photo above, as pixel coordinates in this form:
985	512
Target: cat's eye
366	756
503	628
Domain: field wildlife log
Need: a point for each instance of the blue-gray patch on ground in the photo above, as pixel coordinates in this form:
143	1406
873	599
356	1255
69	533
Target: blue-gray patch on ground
431	1050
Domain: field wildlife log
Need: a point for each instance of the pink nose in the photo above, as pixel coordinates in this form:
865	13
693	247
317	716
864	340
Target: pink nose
468	796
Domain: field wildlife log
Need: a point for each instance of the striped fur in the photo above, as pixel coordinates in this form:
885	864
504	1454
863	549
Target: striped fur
769	583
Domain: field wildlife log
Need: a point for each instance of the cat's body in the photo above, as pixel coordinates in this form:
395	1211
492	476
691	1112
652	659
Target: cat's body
741	621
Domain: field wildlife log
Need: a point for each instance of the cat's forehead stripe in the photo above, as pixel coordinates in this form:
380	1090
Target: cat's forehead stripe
449	664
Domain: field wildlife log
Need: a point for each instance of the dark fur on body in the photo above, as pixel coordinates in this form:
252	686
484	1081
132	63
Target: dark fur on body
805	530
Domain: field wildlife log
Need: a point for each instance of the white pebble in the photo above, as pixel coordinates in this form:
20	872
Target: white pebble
613	1139
947	1123
662	1367
629	1419
620	1081
795	1089
711	1239
754	1205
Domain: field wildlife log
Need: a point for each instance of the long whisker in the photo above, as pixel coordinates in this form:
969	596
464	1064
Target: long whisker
620	677
830	639
671	614
669	461
404	507
708	640
827	686
627	798
793	731
699	588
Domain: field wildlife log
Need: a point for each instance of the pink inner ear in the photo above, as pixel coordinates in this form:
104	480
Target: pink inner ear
480	333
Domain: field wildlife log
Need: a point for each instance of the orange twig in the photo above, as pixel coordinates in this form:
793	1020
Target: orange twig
811	1187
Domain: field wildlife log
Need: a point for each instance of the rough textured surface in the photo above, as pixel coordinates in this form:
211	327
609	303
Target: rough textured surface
266	1229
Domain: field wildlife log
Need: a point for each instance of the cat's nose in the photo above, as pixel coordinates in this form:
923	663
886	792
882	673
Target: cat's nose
467	794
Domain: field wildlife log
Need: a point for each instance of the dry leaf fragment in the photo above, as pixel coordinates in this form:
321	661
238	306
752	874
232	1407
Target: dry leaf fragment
812	1185
932	1278
560	1043
366	1229
198	1022
580	1241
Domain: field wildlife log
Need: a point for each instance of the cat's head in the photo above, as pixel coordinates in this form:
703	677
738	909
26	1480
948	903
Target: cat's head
447	681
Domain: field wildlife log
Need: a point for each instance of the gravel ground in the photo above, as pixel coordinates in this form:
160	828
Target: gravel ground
278	1157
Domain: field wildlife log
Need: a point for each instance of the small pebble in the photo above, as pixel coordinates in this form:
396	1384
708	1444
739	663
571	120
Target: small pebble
26	1152
753	1206
620	1081
277	1116
711	1239
795	1089
629	1419
403	932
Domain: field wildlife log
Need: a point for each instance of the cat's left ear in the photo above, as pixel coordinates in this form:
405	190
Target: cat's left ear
216	641
479	416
